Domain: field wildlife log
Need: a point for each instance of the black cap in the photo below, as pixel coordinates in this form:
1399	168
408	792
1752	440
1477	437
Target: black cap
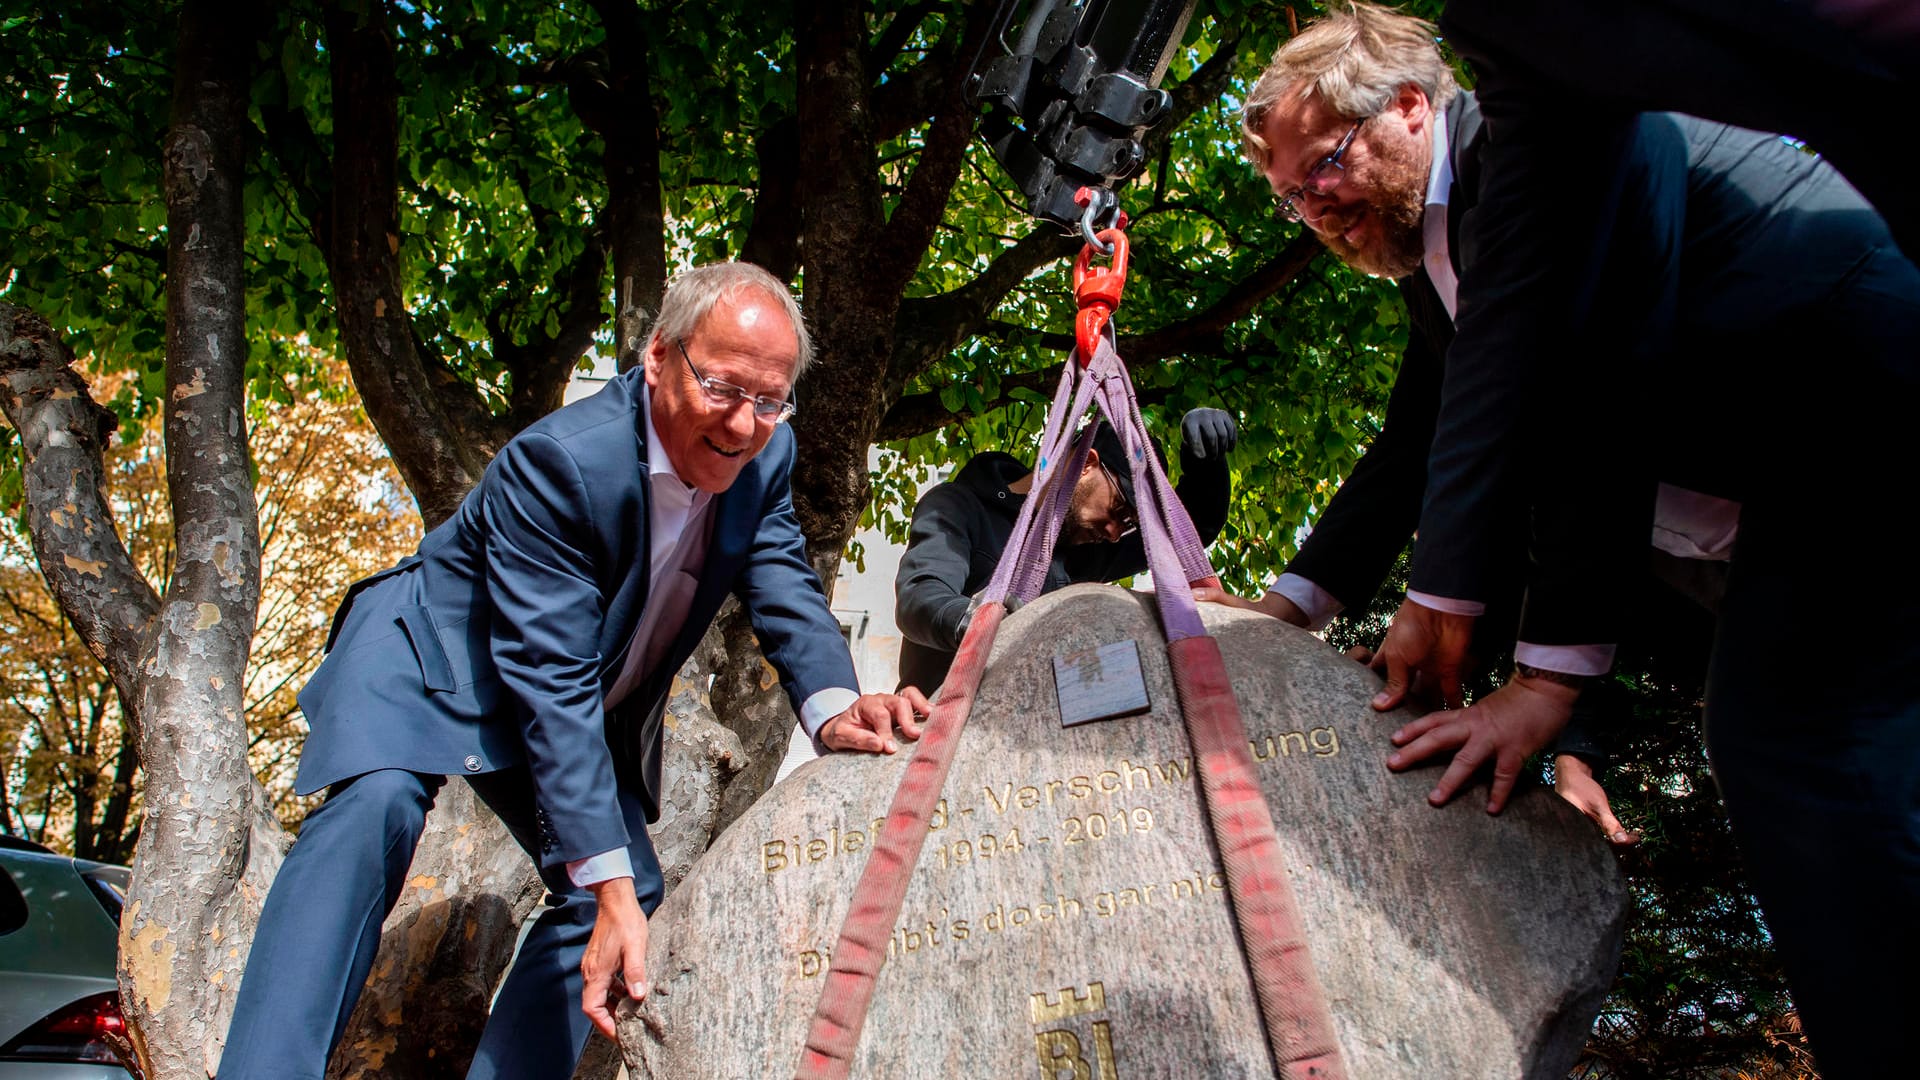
1106	443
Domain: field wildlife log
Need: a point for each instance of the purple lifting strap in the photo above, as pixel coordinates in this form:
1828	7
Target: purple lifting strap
1293	1007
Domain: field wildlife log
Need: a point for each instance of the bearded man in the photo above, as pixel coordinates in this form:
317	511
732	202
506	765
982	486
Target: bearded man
1738	291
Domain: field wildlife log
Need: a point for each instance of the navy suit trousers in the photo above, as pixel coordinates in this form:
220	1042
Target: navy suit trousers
320	930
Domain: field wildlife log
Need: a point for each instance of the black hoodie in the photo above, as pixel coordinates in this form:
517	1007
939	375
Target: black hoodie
960	528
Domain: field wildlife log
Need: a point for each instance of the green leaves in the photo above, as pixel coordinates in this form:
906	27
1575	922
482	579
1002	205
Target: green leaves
502	187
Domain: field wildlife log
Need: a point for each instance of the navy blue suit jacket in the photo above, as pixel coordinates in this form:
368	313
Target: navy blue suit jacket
495	644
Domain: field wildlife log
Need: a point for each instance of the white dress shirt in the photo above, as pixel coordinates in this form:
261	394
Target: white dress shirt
679	522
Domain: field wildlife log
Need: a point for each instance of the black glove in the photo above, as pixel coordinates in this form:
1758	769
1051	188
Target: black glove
1208	433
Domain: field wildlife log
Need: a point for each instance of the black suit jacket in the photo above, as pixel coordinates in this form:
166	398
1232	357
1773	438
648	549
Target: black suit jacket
1365	527
1731	283
1854	65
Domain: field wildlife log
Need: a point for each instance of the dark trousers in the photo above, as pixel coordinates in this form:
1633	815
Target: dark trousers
1813	691
1813	729
320	930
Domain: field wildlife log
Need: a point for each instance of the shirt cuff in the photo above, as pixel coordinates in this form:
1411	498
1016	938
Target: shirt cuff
595	869
1447	604
1565	659
823	706
1316	603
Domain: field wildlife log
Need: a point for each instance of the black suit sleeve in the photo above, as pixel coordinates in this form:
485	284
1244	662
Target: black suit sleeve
1560	314
1365	527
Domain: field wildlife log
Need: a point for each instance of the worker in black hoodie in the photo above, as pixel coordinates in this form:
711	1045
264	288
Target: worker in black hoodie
960	527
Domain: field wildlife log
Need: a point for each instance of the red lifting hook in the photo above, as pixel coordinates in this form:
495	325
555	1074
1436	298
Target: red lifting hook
1098	288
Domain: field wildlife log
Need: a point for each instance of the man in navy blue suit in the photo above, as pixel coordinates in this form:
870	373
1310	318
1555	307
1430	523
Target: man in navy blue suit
529	647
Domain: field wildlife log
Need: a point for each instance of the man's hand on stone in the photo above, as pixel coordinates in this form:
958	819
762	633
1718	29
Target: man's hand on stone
616	956
1209	433
1573	780
869	723
1503	728
1426	641
1271	604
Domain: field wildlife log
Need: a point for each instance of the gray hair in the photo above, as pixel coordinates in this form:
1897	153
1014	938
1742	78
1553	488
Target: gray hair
1356	60
694	292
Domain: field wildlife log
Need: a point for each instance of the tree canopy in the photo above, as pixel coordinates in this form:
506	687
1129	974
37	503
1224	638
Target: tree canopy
462	197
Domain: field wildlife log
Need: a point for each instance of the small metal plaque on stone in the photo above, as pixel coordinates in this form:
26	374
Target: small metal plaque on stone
1099	683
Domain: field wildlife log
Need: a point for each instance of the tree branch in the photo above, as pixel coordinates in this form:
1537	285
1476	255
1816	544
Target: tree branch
63	436
1233	305
910	96
542	368
629	128
917	414
943	149
932	326
773	240
437	461
1199	90
895	37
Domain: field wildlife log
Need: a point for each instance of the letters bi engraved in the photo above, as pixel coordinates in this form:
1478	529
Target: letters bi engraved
1061	1050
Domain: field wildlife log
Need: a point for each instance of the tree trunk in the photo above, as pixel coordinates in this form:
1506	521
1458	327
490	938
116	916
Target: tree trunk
747	699
625	118
209	843
111	843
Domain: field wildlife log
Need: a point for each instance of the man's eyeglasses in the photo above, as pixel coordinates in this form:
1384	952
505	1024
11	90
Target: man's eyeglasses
724	395
1122	511
1322	179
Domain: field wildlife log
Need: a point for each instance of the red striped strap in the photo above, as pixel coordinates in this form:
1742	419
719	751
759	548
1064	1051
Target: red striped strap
1292	1004
862	948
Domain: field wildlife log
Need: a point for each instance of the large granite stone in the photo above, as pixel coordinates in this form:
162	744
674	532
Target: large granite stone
1068	918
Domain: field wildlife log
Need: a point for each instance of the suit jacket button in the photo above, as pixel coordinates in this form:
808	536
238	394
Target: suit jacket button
472	763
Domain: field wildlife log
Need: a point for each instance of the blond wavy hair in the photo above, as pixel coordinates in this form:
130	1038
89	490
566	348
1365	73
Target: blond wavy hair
1356	60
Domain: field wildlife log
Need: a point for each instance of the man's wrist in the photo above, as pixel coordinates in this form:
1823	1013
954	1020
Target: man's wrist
608	865
828	726
1575	683
1447	604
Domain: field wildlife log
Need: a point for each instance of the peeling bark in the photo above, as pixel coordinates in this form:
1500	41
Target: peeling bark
699	760
209	843
748	699
63	432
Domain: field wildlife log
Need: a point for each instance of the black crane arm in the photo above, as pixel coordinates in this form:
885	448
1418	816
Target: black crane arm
1068	92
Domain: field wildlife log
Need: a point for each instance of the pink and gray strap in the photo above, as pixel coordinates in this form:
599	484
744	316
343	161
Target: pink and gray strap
1293	1007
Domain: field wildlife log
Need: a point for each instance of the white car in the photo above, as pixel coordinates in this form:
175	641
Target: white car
59	928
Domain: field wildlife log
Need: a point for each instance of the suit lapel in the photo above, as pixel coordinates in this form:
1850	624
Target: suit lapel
1463	152
623	619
